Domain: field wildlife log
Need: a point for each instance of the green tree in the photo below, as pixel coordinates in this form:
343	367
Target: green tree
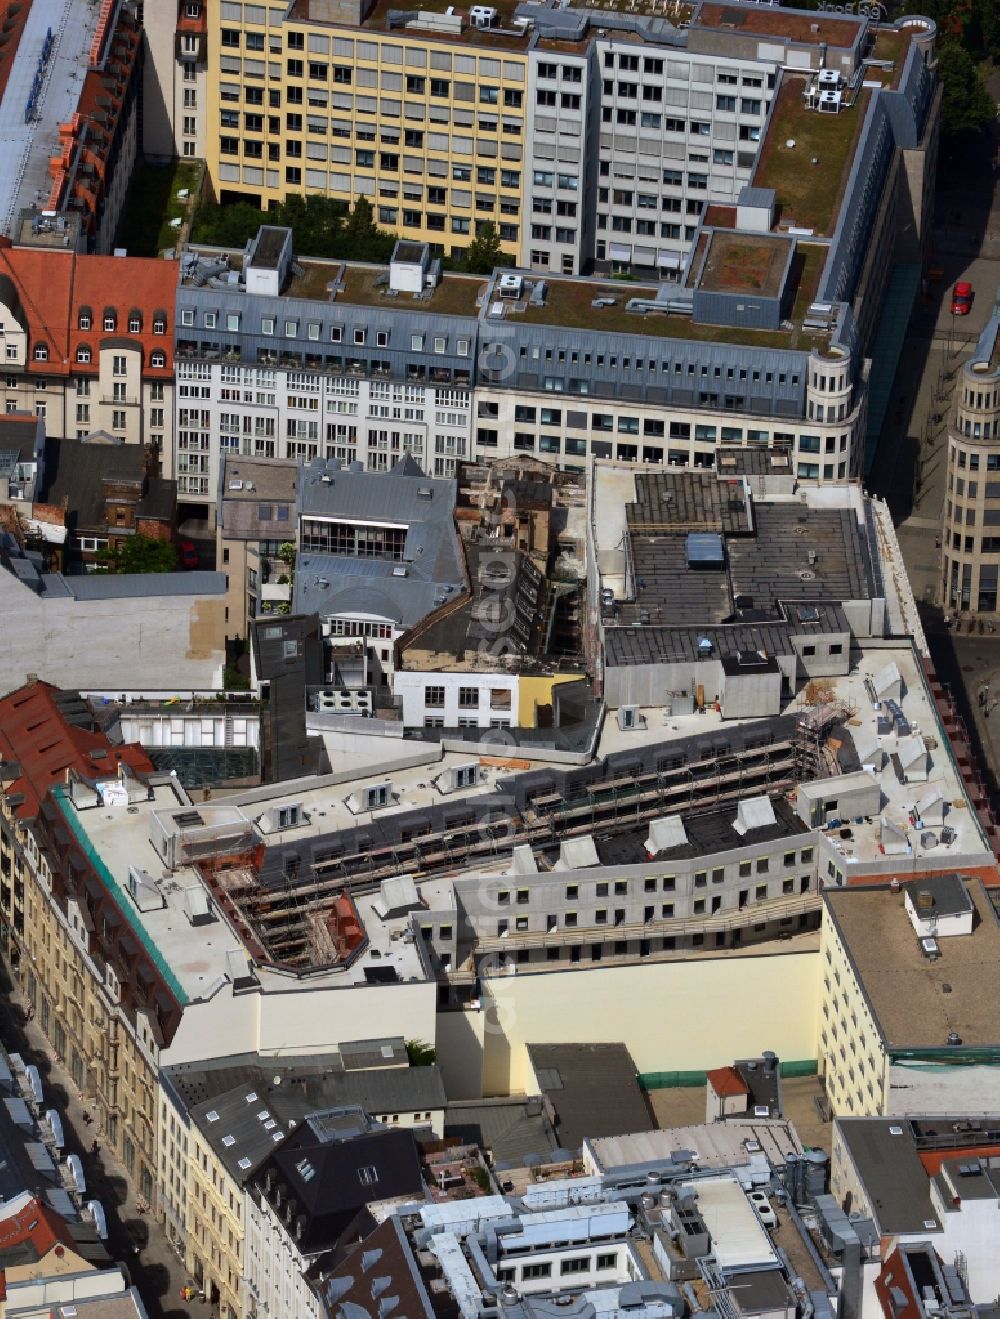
140	554
420	1054
484	250
966	105
227	226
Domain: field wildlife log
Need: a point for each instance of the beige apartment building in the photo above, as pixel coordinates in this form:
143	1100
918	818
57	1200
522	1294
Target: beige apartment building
76	997
904	1026
174	84
255	518
87	343
970	539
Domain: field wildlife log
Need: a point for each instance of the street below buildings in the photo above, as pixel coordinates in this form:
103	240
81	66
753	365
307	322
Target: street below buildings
910	468
135	1239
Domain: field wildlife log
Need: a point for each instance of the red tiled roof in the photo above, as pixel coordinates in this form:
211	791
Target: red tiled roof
36	1223
87	139
188	23
726	1082
54	287
990	875
36	737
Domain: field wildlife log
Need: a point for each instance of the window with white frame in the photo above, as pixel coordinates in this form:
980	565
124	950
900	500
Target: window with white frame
41	352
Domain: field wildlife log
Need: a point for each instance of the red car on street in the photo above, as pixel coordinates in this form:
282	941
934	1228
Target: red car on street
961	299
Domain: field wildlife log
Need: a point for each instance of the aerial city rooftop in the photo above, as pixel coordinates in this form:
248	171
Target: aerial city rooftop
482	831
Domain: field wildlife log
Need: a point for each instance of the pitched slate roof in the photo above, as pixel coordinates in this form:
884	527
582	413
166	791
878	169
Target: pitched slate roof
331	1180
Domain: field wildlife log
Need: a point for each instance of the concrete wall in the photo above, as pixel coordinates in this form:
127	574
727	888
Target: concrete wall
672	1016
689	886
301	1019
176	642
460	1048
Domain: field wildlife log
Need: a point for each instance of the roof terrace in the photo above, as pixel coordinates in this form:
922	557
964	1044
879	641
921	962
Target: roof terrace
806	157
589	304
916	1002
367	286
454	25
813	29
745	263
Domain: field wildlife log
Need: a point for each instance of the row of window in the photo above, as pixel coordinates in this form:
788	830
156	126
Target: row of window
571	920
85	321
289	329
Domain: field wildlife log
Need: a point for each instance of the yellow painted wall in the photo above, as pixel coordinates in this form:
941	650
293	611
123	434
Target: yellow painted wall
535	691
493	71
673	1016
852	1058
459	1044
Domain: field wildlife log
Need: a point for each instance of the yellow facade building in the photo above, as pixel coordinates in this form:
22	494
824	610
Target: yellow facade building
904	1024
428	124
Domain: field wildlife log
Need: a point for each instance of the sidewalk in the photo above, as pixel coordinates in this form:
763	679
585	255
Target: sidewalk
154	1268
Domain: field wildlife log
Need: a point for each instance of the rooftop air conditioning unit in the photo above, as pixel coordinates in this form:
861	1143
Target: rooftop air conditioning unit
511	286
482	16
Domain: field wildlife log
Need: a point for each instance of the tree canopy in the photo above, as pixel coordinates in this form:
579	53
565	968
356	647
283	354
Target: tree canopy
321	227
966	105
139	554
420	1054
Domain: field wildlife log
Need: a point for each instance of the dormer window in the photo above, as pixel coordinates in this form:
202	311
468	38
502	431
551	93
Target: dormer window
158	358
360	336
134	321
159	322
110	318
41	352
86	318
83	353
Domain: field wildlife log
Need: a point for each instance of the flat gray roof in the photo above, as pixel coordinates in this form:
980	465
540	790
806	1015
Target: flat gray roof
889	1167
115	586
903	987
593	1089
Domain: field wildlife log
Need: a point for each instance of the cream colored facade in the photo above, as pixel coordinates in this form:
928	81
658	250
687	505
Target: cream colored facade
119	401
566	429
690	1013
214	1243
852	1056
174	84
173	1143
431	131
76	1006
970	541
